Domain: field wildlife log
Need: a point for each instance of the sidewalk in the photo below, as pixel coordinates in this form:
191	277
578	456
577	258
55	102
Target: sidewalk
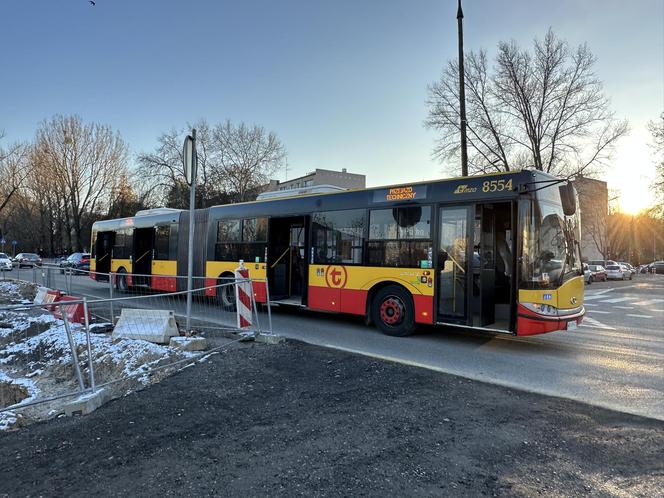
296	419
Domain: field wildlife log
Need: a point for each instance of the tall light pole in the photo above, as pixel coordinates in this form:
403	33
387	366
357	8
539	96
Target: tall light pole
190	166
462	95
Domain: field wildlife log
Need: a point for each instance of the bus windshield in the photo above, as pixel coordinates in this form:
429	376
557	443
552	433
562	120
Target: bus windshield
550	253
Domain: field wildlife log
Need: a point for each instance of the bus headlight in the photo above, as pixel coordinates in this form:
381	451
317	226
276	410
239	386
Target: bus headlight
542	309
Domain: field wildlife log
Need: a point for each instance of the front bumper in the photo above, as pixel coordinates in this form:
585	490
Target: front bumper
531	323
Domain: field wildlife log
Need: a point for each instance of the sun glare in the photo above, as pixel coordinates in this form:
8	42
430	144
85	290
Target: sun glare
634	198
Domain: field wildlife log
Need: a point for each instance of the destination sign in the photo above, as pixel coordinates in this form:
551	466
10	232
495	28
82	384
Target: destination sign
406	193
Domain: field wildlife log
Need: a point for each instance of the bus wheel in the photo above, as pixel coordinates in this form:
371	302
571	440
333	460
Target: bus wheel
226	293
393	311
121	281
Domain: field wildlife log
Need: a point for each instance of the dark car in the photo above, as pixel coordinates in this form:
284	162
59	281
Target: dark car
658	266
27	259
79	262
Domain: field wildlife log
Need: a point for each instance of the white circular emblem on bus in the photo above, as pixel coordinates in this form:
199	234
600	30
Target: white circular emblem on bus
573	300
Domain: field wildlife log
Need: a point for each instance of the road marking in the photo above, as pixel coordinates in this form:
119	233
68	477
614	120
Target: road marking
594	324
624	307
589	304
596	295
649	302
658	310
599	311
617	300
638	316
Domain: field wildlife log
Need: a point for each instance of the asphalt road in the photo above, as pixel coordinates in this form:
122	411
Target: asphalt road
615	359
298	420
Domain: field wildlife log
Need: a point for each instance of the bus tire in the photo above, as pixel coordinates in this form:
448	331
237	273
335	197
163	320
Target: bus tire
393	312
121	284
226	294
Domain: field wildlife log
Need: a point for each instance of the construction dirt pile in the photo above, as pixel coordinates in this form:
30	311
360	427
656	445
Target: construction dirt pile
36	359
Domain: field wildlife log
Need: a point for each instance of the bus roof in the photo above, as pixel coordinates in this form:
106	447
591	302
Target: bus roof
457	189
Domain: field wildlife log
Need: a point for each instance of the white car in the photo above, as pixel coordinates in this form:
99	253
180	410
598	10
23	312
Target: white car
618	272
629	267
5	262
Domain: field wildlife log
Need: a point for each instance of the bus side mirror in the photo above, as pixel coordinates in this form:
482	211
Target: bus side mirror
568	198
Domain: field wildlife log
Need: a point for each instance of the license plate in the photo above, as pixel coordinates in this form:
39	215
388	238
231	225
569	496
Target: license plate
572	325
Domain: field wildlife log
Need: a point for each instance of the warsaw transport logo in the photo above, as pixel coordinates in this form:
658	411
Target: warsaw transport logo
336	276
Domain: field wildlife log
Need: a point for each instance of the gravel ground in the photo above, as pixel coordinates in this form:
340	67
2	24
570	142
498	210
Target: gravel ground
295	419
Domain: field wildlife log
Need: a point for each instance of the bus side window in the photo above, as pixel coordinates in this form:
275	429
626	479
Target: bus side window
338	236
399	237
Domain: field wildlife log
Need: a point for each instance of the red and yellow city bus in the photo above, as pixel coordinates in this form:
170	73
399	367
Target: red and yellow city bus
498	253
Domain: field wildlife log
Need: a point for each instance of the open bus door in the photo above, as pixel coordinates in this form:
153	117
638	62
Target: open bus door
287	259
103	256
475	266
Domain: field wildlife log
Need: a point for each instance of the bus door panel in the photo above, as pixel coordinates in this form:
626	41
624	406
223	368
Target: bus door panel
103	248
142	258
487	265
164	268
452	271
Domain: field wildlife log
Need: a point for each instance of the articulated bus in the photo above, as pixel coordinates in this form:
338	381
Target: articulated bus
497	252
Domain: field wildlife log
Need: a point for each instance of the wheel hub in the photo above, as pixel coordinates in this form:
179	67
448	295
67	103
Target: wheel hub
391	310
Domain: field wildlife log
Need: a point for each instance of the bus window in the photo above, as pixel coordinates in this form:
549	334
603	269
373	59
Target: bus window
229	231
123	244
400	237
338	236
254	230
161	242
241	239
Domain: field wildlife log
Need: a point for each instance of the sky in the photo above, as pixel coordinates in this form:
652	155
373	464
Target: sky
342	83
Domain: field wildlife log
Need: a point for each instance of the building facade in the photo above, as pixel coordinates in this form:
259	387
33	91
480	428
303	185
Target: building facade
342	179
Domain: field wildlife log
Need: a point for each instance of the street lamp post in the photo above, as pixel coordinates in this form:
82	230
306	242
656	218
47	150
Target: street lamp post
462	94
190	166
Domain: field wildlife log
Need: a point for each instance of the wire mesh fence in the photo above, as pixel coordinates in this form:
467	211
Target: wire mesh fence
213	300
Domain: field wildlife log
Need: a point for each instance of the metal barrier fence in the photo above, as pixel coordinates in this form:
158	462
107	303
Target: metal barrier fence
214	304
32	339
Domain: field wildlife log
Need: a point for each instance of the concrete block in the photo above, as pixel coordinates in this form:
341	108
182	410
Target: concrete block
270	338
41	295
189	343
87	403
149	325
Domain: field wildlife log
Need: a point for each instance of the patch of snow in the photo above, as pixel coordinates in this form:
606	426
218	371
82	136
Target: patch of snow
7	420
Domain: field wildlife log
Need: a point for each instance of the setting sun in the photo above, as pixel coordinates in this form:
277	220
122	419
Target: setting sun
634	197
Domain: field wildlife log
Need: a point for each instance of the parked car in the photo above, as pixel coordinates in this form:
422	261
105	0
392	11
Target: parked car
28	259
658	266
5	262
617	272
597	273
602	262
79	262
629	267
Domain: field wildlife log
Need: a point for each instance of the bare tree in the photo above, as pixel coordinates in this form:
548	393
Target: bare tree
248	156
161	172
656	128
85	161
234	162
13	171
543	109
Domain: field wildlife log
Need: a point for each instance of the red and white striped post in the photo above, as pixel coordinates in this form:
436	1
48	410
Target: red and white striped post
243	292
